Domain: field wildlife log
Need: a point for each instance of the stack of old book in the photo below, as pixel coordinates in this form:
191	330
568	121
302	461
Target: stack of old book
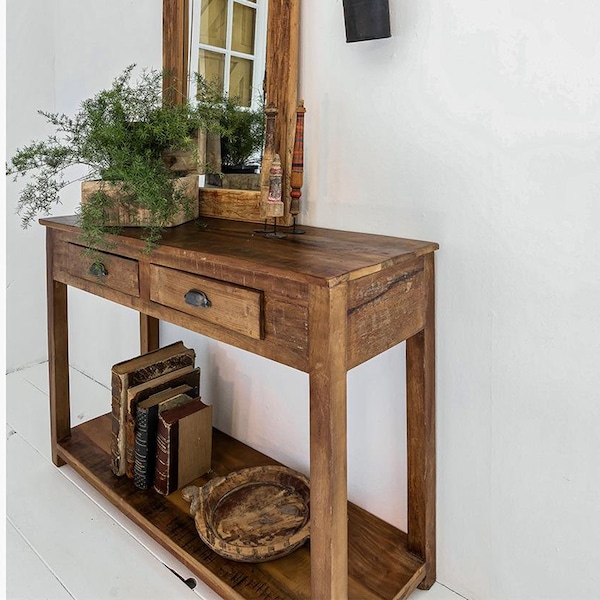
161	429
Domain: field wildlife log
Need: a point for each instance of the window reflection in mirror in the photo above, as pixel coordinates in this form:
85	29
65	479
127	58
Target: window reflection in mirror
228	48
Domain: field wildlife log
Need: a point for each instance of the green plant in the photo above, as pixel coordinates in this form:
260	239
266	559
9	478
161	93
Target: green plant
120	134
243	133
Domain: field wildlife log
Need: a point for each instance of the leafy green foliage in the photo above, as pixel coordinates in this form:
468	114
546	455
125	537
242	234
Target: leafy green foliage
120	134
243	133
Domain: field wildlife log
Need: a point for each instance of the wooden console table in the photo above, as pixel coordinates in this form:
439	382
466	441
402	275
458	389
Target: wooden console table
322	302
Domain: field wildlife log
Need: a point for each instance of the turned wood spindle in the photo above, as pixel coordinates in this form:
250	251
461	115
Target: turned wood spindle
297	175
270	115
269	209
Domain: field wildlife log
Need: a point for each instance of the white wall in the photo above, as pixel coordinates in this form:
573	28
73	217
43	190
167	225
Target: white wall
30	86
58	54
477	125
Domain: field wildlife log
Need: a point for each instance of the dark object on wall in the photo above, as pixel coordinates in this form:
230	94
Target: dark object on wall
367	20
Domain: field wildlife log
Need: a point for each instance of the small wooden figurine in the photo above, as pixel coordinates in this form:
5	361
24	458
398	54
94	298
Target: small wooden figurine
268	156
274	206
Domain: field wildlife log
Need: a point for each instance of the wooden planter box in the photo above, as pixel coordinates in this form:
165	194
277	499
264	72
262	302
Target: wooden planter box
235	181
125	214
184	162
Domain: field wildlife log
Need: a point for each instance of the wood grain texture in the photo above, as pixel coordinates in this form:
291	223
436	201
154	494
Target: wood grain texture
149	333
119	273
175	50
58	353
282	269
322	293
149	326
420	410
328	469
281	83
238	205
380	566
231	306
252	515
281	87
320	256
128	214
384	309
286	336
268	156
240	181
188	162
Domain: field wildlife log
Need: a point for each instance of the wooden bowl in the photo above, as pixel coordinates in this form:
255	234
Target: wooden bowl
252	515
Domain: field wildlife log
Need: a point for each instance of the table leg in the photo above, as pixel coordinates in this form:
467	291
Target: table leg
58	355
420	410
328	470
149	336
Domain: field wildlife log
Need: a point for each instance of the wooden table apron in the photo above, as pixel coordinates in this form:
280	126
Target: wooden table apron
330	300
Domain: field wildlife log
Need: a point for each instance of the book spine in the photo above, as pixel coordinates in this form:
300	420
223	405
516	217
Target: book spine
161	367
168	365
165	475
145	447
117	440
130	434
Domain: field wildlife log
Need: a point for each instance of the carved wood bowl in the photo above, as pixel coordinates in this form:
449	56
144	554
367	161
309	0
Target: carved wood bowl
252	515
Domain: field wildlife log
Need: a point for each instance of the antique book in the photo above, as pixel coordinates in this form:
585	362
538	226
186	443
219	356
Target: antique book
183	445
186	376
145	431
132	372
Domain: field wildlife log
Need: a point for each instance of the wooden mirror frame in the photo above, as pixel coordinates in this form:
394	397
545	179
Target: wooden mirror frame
281	88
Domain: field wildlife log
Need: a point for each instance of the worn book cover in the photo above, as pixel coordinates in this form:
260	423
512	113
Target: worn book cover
145	431
183	445
133	372
186	376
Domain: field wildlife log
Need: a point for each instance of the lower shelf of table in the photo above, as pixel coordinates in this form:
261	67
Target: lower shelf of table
380	566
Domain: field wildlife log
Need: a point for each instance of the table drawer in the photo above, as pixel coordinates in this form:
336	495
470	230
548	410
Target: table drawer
231	306
113	271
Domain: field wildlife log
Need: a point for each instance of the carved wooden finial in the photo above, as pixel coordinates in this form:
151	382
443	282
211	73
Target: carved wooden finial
269	208
297	174
270	115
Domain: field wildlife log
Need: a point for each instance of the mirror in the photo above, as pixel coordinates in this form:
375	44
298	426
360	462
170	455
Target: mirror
232	58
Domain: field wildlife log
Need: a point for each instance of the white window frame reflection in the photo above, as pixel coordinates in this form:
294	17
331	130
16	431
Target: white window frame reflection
260	43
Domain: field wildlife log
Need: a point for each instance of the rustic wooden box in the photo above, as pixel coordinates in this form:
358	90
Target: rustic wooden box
124	214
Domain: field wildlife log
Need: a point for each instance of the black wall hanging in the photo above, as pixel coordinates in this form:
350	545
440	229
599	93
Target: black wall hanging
367	20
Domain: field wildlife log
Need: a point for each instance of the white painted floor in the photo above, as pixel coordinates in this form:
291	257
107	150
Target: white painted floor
63	540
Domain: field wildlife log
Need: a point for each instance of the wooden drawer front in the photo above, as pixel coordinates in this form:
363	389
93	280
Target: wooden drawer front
384	309
231	306
113	271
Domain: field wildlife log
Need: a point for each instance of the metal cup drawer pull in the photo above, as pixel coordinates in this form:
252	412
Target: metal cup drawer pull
98	270
197	298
